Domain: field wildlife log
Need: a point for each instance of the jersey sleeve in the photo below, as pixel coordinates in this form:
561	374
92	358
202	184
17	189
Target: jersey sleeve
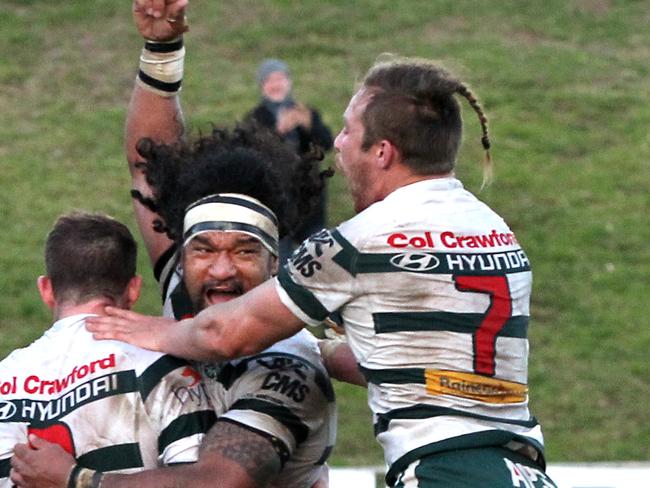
178	408
319	278
285	398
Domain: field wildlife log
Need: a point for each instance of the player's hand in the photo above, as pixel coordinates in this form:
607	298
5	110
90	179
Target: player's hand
160	20
128	326
43	465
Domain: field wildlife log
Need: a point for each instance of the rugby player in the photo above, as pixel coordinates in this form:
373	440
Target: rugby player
114	407
438	330
211	212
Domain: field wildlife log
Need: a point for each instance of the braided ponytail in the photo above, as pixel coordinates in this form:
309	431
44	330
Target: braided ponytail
464	91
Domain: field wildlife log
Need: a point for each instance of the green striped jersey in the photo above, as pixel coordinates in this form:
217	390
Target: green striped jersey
433	289
115	407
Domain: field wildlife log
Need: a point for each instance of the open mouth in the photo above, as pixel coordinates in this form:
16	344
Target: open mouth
220	294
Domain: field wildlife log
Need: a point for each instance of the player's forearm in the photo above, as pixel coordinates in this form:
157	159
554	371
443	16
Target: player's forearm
241	327
153	116
172	477
198	338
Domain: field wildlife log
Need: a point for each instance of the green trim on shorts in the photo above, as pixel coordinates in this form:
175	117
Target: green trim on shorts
491	438
493	467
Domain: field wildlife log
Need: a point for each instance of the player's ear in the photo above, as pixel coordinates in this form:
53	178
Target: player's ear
274	265
132	292
385	153
46	291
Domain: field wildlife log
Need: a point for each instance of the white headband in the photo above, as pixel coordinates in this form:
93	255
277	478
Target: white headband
235	213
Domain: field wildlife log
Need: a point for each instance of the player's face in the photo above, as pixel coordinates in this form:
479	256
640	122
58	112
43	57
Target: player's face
219	266
351	159
276	86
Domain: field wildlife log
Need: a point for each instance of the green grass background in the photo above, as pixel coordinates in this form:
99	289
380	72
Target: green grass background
565	84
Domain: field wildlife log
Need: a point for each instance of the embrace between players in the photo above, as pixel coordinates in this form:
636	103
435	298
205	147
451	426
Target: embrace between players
443	351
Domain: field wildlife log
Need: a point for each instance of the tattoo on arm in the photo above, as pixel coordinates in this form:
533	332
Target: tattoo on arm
254	452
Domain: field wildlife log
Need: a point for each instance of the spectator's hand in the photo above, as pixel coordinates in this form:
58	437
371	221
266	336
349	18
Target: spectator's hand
160	20
43	465
127	326
290	118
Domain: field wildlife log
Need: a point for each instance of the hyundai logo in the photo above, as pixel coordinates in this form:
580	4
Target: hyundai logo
414	261
7	410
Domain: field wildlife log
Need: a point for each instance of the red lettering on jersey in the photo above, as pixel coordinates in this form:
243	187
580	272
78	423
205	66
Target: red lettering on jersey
8	387
493	239
400	240
34	384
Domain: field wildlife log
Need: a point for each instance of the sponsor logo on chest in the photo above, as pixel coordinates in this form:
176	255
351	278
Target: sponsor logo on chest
451	240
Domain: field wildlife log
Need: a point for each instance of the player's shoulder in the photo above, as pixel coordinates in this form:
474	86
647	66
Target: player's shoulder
151	363
289	372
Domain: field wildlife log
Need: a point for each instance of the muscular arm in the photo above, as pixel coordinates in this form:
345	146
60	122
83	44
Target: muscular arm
231	456
240	327
152	115
160	119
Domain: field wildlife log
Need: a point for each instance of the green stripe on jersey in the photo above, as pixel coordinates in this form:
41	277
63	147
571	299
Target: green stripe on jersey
298	429
113	458
347	257
302	297
151	376
185	426
225	374
422	411
454	322
396	376
5	466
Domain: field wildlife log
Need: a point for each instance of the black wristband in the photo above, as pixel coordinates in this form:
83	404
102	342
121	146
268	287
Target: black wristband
159	85
72	479
164	47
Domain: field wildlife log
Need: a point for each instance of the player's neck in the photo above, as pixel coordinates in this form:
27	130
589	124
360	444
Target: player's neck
96	306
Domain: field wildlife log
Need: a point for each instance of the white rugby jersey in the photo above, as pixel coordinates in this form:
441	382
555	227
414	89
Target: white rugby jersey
434	291
283	393
113	406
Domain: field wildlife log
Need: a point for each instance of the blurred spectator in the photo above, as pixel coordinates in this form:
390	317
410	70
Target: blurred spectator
299	125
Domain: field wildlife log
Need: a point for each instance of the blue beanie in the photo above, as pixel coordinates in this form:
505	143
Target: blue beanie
269	66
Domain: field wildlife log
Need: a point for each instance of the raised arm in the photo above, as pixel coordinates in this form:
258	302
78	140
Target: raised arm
154	110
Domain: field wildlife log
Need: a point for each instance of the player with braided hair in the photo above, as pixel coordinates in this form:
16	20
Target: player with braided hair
432	287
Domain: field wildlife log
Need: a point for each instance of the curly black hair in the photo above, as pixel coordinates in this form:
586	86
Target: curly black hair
250	160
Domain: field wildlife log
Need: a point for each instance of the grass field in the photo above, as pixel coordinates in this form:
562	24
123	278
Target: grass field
565	84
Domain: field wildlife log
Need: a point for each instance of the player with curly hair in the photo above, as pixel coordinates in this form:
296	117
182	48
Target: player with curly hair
432	286
211	210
